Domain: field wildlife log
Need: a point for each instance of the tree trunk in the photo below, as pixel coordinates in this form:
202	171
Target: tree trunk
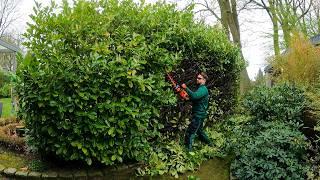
224	17
229	19
276	45
229	13
274	19
317	12
234	22
286	34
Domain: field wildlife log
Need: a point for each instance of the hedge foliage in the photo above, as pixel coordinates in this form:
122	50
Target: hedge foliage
269	143
169	156
282	102
5	83
93	85
277	152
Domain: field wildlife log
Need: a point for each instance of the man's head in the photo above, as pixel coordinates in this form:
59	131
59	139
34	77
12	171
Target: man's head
202	78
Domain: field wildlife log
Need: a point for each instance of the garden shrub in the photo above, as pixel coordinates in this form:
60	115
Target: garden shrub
311	114
300	64
5	91
312	131
92	93
9	139
37	165
282	102
277	152
268	144
93	83
5	80
236	132
9	120
170	157
262	146
314	159
4	77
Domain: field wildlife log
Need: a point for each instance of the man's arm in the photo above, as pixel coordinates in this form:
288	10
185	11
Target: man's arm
198	94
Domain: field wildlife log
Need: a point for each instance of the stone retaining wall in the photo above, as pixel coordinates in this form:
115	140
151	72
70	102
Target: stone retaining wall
105	173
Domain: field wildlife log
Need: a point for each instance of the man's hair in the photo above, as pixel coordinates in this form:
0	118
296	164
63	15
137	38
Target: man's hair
204	75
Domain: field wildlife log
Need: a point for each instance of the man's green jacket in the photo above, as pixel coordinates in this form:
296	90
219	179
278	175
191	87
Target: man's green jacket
200	101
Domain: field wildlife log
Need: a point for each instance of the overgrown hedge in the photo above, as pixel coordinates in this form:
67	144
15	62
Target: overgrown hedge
93	84
207	49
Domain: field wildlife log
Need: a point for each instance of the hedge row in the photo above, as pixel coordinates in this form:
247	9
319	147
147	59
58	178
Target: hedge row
93	85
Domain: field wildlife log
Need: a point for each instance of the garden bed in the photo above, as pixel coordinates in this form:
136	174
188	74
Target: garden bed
15	164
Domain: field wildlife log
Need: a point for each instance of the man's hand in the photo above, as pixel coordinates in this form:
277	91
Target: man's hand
184	86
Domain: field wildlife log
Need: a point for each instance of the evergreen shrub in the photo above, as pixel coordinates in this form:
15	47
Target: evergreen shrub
282	102
93	87
277	152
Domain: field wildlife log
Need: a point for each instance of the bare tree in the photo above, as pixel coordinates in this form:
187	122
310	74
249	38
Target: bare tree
312	20
7	14
269	6
226	12
291	14
285	14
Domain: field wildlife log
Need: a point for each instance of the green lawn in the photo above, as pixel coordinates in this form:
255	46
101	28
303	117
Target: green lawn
6	108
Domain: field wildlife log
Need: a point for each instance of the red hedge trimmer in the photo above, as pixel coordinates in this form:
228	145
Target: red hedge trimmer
183	95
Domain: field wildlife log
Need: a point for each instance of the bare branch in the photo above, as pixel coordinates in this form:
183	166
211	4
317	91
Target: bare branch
7	14
207	8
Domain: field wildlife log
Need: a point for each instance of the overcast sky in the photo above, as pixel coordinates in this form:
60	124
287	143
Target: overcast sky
255	26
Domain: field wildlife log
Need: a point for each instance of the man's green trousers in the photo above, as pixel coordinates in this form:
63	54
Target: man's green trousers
196	128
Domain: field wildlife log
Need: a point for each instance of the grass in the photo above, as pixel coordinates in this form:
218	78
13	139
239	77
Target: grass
214	169
6	108
11	159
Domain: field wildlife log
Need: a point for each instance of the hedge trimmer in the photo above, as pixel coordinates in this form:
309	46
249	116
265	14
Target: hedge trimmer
183	95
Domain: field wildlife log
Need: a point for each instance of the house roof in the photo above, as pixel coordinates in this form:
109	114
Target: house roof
6	47
315	40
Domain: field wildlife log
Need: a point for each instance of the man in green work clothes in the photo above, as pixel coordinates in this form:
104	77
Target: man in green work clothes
200	101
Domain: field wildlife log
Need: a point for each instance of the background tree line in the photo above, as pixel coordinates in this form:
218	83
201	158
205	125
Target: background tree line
286	16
